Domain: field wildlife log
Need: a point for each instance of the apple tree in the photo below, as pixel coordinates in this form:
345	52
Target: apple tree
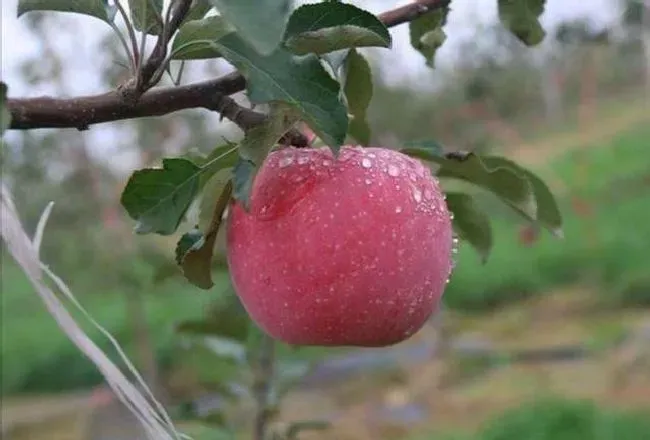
332	240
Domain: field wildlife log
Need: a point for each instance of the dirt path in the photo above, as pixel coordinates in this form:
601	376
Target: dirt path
602	128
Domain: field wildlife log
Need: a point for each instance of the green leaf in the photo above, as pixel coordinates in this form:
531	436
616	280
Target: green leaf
146	15
190	241
158	198
94	8
226	318
216	172
325	27
196	262
194	250
5	116
336	60
358	93
243	176
426	33
547	210
195	39
220	158
198	10
257	144
211	191
261	23
510	185
302	82
521	17
471	223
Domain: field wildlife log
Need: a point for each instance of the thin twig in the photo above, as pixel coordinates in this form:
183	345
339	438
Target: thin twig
125	45
150	73
131	32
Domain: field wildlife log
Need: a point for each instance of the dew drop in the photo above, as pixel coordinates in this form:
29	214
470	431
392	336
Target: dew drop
427	194
327	163
451	216
285	161
368	181
373	155
417	195
366	163
393	171
303	160
398	209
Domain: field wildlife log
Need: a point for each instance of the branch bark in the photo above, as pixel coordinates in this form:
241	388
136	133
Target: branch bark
82	112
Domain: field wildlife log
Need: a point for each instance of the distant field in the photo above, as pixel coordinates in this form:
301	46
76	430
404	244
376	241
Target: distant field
606	248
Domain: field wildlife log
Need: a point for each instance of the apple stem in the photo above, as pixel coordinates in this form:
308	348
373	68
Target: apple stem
263	373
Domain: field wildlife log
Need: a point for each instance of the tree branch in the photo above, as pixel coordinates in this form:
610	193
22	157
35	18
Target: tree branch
81	112
410	12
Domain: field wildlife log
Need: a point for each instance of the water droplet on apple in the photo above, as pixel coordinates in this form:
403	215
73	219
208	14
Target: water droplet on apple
393	171
368	181
285	161
417	195
303	160
366	163
327	163
398	209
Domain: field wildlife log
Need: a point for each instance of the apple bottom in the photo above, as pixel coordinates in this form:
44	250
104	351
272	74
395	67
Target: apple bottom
339	290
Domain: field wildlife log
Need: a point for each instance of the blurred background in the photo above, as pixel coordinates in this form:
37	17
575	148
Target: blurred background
549	339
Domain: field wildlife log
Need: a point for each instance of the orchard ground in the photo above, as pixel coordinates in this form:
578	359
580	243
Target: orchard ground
558	317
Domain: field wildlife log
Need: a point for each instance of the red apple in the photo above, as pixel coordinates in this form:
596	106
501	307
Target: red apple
353	251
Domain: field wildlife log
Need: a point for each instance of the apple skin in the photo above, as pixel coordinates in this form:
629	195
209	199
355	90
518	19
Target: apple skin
353	251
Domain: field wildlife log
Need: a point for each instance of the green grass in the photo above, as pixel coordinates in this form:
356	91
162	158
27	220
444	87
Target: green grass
37	356
559	419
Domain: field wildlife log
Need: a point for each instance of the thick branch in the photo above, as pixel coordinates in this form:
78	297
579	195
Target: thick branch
81	112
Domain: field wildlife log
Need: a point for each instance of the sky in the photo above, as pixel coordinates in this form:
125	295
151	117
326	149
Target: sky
77	45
